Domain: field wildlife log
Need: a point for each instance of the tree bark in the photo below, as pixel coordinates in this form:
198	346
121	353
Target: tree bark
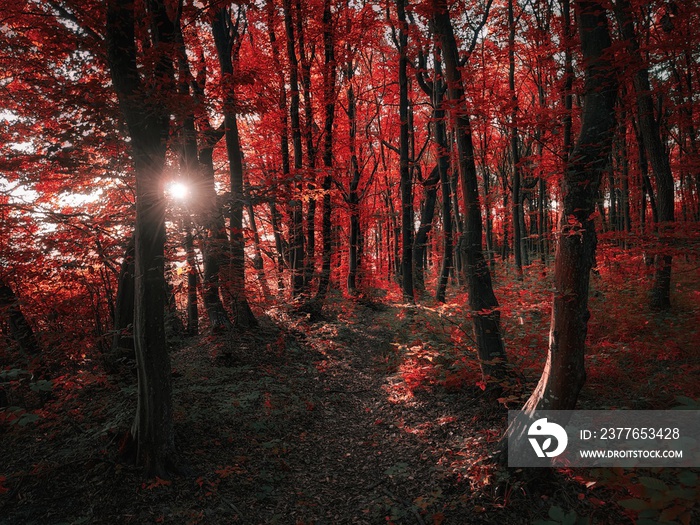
124	310
192	281
224	30
649	129
406	182
430	187
564	372
297	235
143	103
517	210
329	101
482	301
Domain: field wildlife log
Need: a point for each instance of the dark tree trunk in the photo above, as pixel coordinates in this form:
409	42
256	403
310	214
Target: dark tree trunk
482	301
329	101
192	281
353	197
564	372
440	129
258	263
430	186
406	182
124	310
214	243
649	129
297	227
281	245
196	161
224	30
517	210
20	330
144	106
310	267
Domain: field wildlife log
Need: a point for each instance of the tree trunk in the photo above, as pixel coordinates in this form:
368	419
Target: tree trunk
20	330
192	281
564	372
329	100
430	186
258	262
517	211
214	243
152	432
406	182
310	252
649	130
224	35
297	227
353	197
197	166
482	301
124	311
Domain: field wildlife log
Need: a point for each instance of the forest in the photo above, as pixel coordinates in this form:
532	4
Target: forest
293	261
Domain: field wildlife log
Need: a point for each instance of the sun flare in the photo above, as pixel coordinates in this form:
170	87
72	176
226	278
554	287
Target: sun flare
178	190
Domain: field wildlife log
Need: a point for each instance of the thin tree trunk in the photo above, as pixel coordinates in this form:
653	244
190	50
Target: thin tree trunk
482	301
224	31
310	253
649	130
406	182
353	198
430	186
258	263
329	99
297	235
192	279
517	210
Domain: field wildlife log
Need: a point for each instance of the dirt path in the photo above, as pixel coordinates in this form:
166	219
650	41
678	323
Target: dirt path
299	423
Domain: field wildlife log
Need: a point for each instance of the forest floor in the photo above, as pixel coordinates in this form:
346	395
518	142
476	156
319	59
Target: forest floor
372	415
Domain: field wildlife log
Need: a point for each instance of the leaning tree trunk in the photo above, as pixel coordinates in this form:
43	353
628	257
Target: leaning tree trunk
224	36
482	300
143	105
564	372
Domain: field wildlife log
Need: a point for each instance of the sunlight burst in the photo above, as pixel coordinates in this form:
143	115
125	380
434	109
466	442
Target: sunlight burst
178	190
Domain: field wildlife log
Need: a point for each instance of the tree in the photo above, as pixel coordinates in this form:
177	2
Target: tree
297	228
329	80
406	181
143	100
649	130
225	37
564	372
482	301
